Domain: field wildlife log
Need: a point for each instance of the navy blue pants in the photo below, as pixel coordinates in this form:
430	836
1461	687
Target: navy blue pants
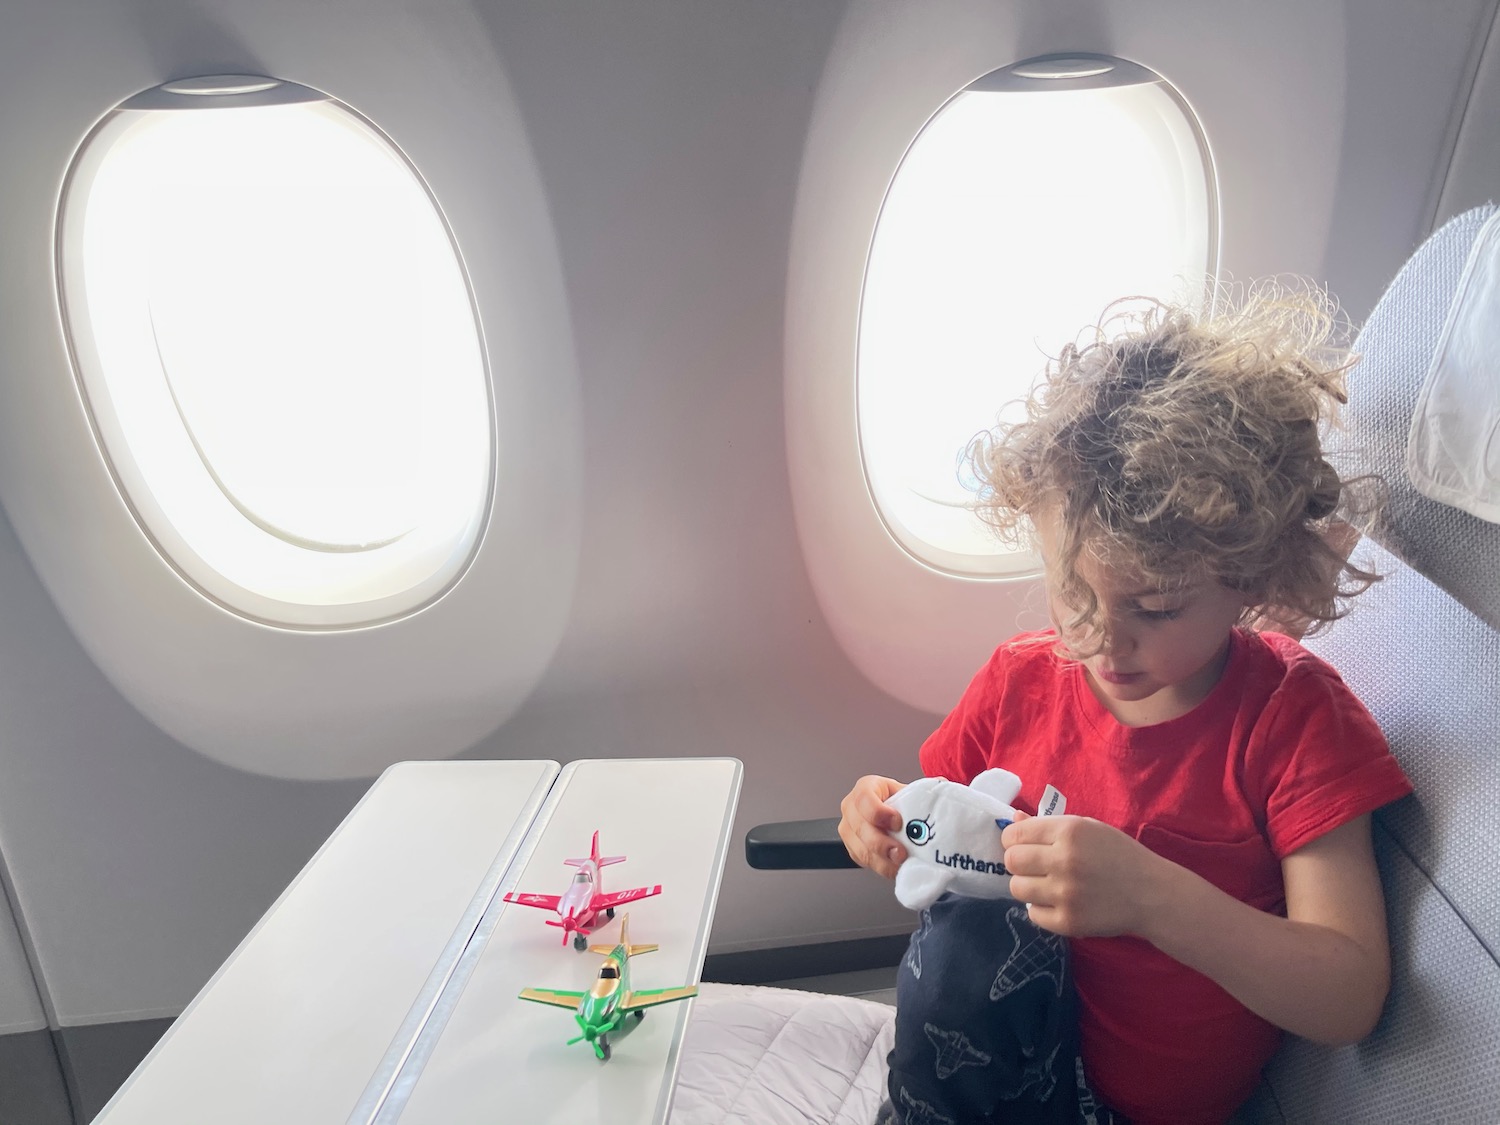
986	1023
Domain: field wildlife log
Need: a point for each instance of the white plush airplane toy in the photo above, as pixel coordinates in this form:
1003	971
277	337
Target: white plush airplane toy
952	836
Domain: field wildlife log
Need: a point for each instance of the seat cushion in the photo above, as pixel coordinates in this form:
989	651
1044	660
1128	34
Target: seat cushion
774	1056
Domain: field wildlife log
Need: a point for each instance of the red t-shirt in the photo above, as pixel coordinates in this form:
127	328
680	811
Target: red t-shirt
1279	753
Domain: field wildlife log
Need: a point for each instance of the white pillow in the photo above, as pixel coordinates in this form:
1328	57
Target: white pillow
1453	451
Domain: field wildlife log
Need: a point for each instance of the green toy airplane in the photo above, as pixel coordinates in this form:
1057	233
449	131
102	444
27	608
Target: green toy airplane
601	1010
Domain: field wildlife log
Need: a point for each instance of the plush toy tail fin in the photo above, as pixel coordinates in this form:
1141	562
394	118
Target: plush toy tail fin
1000	784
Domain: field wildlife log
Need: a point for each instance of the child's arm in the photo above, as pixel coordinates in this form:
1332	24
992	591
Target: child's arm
1322	972
865	820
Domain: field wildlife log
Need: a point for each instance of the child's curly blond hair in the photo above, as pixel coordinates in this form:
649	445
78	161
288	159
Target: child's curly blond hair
1189	447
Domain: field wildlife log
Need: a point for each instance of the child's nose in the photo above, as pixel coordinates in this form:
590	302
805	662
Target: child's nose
1118	638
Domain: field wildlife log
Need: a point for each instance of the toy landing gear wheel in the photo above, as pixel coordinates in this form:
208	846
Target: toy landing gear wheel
610	913
580	942
639	1014
603	1049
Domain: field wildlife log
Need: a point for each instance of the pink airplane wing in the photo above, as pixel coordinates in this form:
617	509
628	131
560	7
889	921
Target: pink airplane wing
619	898
543	902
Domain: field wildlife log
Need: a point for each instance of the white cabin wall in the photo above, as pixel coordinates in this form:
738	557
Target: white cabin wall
672	149
1473	177
1409	77
137	864
32	1087
670	137
20	1003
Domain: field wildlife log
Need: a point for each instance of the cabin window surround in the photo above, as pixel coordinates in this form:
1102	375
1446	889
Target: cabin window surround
276	342
947	250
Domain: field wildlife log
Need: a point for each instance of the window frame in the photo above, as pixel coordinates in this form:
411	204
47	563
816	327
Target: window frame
1061	71
402	598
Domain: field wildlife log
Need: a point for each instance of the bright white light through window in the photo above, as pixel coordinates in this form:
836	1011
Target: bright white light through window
277	344
1028	203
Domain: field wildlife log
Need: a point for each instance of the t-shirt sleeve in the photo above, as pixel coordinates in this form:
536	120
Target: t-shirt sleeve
960	748
1322	761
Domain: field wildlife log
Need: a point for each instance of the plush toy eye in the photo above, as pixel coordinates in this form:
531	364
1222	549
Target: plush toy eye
918	831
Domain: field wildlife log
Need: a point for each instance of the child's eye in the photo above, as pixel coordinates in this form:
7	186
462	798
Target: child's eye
1158	614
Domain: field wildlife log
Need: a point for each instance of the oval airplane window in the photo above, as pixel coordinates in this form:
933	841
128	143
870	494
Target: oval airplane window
1029	201
275	338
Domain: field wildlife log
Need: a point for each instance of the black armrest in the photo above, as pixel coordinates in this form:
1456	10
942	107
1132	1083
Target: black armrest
797	845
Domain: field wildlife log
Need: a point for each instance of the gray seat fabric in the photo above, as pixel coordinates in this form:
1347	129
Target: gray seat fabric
1456	550
1422	650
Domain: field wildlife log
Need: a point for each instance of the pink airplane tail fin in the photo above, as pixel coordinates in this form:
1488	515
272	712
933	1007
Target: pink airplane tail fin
602	860
594	857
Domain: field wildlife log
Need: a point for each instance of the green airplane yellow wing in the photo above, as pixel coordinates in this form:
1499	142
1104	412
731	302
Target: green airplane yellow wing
552	996
647	997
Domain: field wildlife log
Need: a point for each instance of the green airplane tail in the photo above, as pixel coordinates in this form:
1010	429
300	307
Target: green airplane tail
624	942
630	950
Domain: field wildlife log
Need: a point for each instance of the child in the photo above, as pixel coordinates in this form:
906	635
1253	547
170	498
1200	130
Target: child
1213	880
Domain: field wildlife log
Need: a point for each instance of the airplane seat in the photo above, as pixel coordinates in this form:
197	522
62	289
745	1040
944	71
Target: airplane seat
1422	649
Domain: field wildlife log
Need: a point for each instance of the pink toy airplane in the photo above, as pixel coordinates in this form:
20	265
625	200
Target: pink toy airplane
583	907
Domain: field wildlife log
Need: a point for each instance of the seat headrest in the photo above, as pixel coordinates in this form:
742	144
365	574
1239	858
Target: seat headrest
1455	549
1453	453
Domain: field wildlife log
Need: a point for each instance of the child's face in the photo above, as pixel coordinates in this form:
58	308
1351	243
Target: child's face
1158	655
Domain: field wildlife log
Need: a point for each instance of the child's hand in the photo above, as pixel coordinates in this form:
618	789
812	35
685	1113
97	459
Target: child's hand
866	819
1080	876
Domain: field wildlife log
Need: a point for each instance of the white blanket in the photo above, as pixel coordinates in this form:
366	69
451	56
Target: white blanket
774	1056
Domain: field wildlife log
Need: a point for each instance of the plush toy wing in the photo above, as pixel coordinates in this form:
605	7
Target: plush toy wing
919	885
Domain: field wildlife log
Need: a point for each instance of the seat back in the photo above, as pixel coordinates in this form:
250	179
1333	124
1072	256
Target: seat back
1422	650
